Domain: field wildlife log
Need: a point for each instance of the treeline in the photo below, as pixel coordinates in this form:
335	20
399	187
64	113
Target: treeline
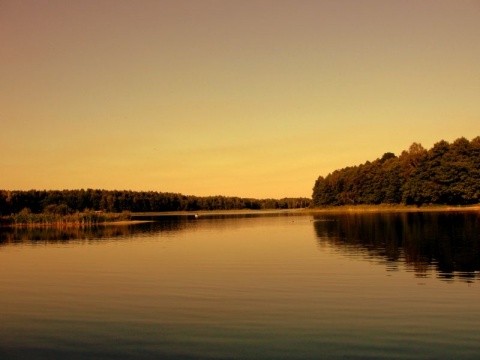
65	202
445	174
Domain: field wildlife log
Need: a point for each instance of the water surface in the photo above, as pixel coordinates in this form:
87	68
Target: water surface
360	286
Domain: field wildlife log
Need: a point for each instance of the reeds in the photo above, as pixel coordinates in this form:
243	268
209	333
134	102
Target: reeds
86	218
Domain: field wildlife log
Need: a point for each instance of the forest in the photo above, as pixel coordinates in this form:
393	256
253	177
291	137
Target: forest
448	173
64	202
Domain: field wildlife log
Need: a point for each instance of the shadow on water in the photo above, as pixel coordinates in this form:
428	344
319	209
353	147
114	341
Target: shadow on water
445	243
90	234
158	224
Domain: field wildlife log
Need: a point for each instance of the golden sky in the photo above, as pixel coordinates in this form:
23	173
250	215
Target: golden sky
222	97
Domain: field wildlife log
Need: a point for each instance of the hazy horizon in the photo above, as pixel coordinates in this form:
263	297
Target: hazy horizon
252	99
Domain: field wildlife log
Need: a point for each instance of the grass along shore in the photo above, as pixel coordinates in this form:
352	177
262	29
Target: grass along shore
87	218
394	208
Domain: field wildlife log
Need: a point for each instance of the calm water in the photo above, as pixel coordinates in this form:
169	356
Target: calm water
278	286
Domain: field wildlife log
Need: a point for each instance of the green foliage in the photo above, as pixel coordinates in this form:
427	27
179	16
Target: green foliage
445	174
64	203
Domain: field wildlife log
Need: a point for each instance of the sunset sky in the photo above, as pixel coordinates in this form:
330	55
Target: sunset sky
237	98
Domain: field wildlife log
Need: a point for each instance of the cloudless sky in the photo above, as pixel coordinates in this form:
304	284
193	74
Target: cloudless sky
221	97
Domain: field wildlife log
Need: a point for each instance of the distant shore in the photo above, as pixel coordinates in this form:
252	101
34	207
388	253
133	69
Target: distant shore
327	209
114	219
125	222
393	208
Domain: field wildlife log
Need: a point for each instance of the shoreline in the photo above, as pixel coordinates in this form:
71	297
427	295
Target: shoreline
393	208
65	225
125	222
327	209
352	209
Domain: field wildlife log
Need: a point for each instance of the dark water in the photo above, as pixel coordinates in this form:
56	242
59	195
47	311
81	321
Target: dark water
351	286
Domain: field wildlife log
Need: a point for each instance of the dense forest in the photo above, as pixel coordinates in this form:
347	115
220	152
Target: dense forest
64	202
445	174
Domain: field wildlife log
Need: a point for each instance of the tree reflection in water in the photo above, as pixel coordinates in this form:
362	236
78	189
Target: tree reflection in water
427	242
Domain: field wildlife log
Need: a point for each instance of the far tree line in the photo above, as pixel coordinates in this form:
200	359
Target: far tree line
448	173
65	202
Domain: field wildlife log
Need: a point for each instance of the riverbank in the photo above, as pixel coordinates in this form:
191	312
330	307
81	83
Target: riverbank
327	209
393	208
126	222
126	218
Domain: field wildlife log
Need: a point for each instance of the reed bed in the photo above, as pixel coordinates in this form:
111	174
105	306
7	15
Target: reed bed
87	218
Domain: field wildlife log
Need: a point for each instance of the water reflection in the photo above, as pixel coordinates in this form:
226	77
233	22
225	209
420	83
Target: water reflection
253	287
447	244
54	235
163	225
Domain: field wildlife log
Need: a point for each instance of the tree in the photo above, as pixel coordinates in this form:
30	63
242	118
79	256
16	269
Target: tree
445	174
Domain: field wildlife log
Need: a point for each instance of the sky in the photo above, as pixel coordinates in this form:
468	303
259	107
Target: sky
221	97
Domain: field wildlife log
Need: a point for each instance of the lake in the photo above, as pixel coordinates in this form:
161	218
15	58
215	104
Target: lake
246	286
